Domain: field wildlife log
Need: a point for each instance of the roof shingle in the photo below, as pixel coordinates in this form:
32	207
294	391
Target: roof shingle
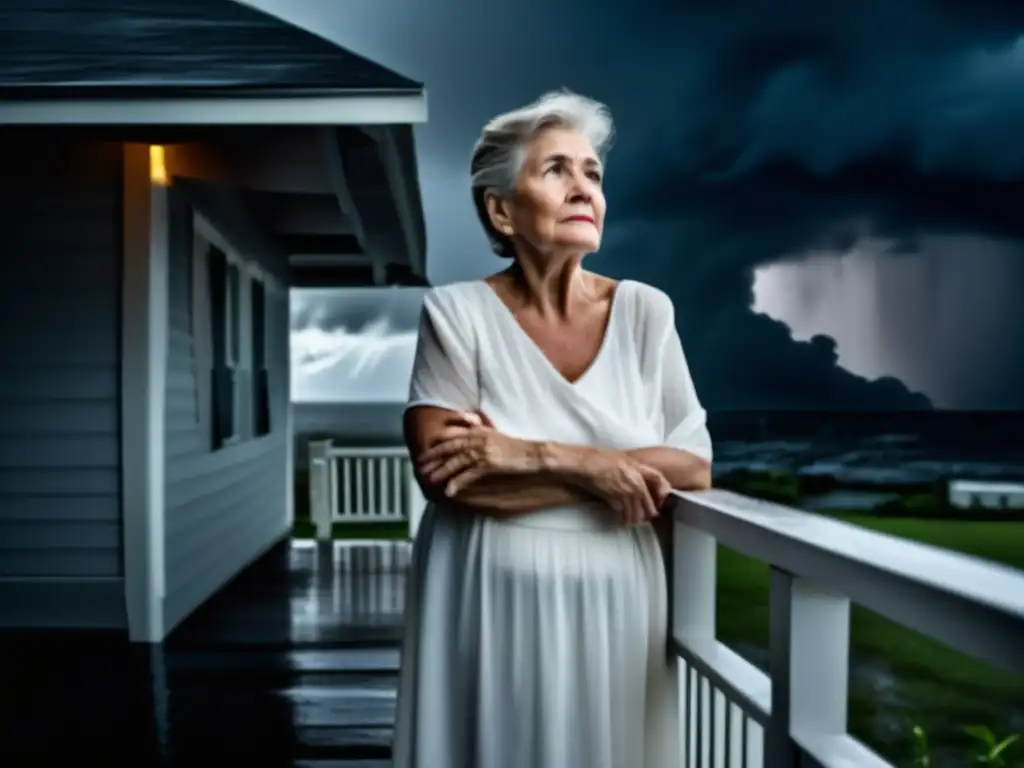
123	48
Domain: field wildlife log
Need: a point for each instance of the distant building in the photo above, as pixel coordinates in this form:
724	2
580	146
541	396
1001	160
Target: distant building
968	494
171	168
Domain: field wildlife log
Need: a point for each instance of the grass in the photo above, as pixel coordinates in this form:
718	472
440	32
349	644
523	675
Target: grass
304	529
780	487
938	687
743	587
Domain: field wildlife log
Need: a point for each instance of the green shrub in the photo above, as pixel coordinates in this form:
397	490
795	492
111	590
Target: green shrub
780	487
988	749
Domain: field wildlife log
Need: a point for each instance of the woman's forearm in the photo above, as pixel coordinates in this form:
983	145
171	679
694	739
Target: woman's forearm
519	494
553	480
683	470
559	475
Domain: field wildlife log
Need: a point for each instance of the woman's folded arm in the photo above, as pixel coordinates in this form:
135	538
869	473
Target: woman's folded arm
552	479
684	471
517	494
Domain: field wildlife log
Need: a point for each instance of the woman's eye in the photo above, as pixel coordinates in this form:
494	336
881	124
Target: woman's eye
558	170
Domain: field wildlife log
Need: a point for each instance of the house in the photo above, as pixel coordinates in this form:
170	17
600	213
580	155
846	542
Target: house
170	170
977	494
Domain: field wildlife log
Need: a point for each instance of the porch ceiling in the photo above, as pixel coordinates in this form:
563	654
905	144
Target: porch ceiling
261	104
343	203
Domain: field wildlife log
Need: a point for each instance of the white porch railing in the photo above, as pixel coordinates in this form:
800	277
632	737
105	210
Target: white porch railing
735	714
361	485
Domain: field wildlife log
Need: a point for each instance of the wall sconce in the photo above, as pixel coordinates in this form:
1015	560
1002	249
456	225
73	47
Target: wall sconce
158	165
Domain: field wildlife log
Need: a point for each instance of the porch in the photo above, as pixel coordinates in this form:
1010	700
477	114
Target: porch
295	661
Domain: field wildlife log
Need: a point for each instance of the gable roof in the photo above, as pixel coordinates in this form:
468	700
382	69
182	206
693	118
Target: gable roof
181	48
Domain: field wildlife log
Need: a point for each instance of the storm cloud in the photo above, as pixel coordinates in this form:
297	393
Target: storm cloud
355	344
752	134
355	309
816	130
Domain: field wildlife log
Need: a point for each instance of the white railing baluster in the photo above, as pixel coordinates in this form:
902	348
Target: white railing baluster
334	487
345	511
359	505
397	508
371	488
383	487
383	463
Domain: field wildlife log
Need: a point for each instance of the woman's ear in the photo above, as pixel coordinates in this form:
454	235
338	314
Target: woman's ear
498	211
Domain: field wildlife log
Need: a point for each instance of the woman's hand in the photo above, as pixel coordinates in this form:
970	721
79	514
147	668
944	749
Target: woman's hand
657	484
470	448
634	491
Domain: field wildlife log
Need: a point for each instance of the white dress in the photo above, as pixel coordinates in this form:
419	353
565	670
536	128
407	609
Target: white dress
539	641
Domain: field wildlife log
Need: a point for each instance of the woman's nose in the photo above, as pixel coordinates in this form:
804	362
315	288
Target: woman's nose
579	193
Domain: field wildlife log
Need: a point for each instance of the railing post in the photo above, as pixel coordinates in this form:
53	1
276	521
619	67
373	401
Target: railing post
415	502
779	748
320	492
819	660
694	576
695	554
810	656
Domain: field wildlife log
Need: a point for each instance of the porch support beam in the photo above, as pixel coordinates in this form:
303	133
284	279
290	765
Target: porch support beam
144	307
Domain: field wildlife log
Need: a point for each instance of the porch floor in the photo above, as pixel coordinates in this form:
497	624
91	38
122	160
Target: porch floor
292	664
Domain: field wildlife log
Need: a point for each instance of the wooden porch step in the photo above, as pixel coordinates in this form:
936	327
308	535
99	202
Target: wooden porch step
368	659
324	705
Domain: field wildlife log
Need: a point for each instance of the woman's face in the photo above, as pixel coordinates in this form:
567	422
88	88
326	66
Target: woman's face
558	204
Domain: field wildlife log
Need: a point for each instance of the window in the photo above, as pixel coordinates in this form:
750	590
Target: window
201	311
261	379
236	359
223	286
233	329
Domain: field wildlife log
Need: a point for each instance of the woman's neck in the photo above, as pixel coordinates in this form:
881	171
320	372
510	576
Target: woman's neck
550	288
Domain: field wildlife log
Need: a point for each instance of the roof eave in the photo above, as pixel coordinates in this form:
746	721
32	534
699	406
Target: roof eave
150	106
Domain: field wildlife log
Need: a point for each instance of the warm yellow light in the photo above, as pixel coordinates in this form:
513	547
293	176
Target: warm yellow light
157	165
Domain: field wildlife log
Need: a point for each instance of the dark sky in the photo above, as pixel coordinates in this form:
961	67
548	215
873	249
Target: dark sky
783	169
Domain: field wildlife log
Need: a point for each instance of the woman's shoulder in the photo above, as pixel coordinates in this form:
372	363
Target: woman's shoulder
648	301
452	295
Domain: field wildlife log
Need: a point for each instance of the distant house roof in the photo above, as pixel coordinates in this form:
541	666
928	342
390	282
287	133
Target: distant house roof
98	49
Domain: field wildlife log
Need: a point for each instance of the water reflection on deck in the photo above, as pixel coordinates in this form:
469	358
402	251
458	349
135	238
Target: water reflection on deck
293	664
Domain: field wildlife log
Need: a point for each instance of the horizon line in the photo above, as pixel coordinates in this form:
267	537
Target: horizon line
752	409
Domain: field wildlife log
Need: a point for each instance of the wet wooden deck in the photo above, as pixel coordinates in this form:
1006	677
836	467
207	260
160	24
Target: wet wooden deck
293	664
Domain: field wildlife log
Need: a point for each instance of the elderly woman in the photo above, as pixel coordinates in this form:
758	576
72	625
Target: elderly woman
551	412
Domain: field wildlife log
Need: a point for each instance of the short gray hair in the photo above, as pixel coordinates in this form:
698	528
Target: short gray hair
499	152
